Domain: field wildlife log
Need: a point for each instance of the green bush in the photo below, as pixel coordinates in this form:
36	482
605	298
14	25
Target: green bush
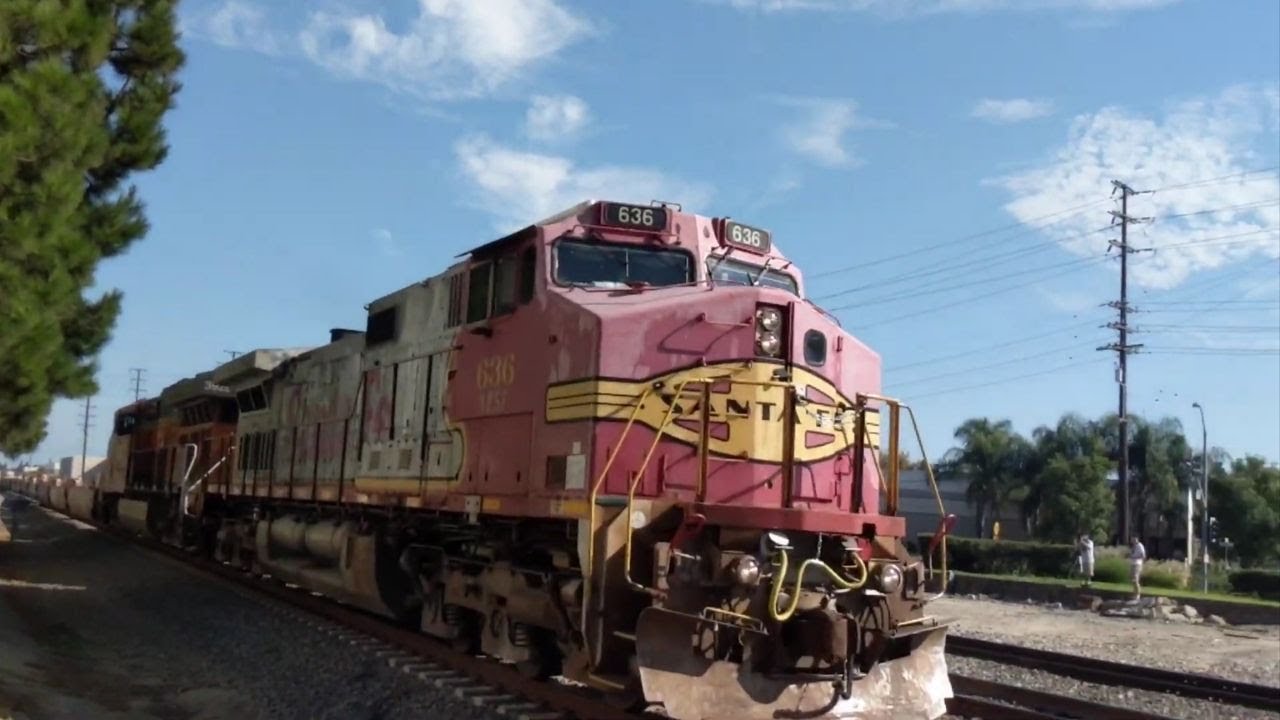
1159	577
1110	568
1263	583
1006	557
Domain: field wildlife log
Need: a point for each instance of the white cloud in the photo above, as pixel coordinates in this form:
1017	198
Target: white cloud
1014	110
452	48
520	187
449	49
1196	140
905	8
819	133
234	24
386	243
555	117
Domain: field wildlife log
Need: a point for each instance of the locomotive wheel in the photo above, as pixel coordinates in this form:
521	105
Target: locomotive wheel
545	661
468	624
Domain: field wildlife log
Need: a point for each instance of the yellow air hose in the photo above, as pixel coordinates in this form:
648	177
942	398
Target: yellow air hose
780	578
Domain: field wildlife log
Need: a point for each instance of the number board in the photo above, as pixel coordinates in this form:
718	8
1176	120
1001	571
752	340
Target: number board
746	237
633	216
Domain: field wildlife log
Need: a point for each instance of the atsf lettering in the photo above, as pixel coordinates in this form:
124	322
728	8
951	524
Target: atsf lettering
733	408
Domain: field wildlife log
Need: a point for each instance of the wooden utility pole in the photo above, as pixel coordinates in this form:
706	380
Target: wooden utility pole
84	445
137	382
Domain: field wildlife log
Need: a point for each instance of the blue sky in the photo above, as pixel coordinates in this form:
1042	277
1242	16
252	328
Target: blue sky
940	168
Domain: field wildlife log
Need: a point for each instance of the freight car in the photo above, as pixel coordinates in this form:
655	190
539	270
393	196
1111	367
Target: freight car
618	444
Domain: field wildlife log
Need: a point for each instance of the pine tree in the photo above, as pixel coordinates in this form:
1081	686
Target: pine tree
84	86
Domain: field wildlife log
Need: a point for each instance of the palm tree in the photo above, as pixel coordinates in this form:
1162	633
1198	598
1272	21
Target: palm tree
992	457
1073	438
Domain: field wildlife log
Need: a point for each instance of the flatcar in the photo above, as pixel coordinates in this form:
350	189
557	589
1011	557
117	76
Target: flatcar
618	444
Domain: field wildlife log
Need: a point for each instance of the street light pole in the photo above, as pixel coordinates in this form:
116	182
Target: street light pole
1204	500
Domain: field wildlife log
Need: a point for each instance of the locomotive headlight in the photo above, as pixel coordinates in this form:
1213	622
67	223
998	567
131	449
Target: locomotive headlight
889	579
746	571
768	343
768	319
768	331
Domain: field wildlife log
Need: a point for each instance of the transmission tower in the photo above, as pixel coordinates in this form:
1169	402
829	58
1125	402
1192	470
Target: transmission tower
1122	348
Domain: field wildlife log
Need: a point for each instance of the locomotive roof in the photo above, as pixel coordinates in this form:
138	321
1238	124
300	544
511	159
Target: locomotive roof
529	229
201	385
255	362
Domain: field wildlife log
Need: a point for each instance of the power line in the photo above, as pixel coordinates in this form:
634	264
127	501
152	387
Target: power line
959	286
1211	181
1213	307
1002	363
988	348
1007	380
1213	328
137	382
1219	239
1210	350
1000	259
1030	224
1211	302
946	266
957	241
1242	206
973	298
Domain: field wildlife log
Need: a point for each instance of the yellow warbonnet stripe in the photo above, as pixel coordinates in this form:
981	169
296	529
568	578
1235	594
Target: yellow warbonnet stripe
746	409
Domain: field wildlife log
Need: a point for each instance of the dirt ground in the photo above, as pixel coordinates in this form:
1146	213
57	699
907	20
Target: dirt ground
54	662
1250	653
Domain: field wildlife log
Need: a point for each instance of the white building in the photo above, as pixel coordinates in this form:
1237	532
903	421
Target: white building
69	468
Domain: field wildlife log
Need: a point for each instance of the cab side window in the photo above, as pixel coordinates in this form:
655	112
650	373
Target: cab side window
528	274
505	279
478	286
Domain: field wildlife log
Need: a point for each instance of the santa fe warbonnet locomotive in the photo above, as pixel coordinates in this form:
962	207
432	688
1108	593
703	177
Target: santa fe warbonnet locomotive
617	444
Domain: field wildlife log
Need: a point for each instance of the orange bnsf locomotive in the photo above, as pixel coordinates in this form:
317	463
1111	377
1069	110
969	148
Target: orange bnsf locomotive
618	444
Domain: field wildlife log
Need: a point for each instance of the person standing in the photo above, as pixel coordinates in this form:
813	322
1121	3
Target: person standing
1084	549
1137	553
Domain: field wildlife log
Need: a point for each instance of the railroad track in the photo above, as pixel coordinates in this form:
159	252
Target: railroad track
998	701
1106	672
485	683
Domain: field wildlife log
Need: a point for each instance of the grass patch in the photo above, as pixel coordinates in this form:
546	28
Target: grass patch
1127	588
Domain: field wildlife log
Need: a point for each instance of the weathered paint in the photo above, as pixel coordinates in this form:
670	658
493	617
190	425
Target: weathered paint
439	411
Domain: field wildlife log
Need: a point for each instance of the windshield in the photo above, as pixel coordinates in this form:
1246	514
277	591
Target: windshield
732	272
618	266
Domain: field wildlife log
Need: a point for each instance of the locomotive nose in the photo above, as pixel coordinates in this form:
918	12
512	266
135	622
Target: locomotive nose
692	687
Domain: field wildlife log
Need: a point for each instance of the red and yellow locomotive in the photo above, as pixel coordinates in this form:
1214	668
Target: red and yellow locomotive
618	444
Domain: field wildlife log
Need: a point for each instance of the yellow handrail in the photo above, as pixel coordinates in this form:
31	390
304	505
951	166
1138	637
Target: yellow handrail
595	486
635	482
937	494
590	567
896	407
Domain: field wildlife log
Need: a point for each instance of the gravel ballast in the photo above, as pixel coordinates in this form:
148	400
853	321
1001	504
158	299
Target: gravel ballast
1246	654
1153	702
93	627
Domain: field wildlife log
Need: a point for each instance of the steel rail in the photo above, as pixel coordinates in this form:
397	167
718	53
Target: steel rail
1107	672
987	699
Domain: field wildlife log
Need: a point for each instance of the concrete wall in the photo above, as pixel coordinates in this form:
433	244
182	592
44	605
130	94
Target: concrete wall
69	467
